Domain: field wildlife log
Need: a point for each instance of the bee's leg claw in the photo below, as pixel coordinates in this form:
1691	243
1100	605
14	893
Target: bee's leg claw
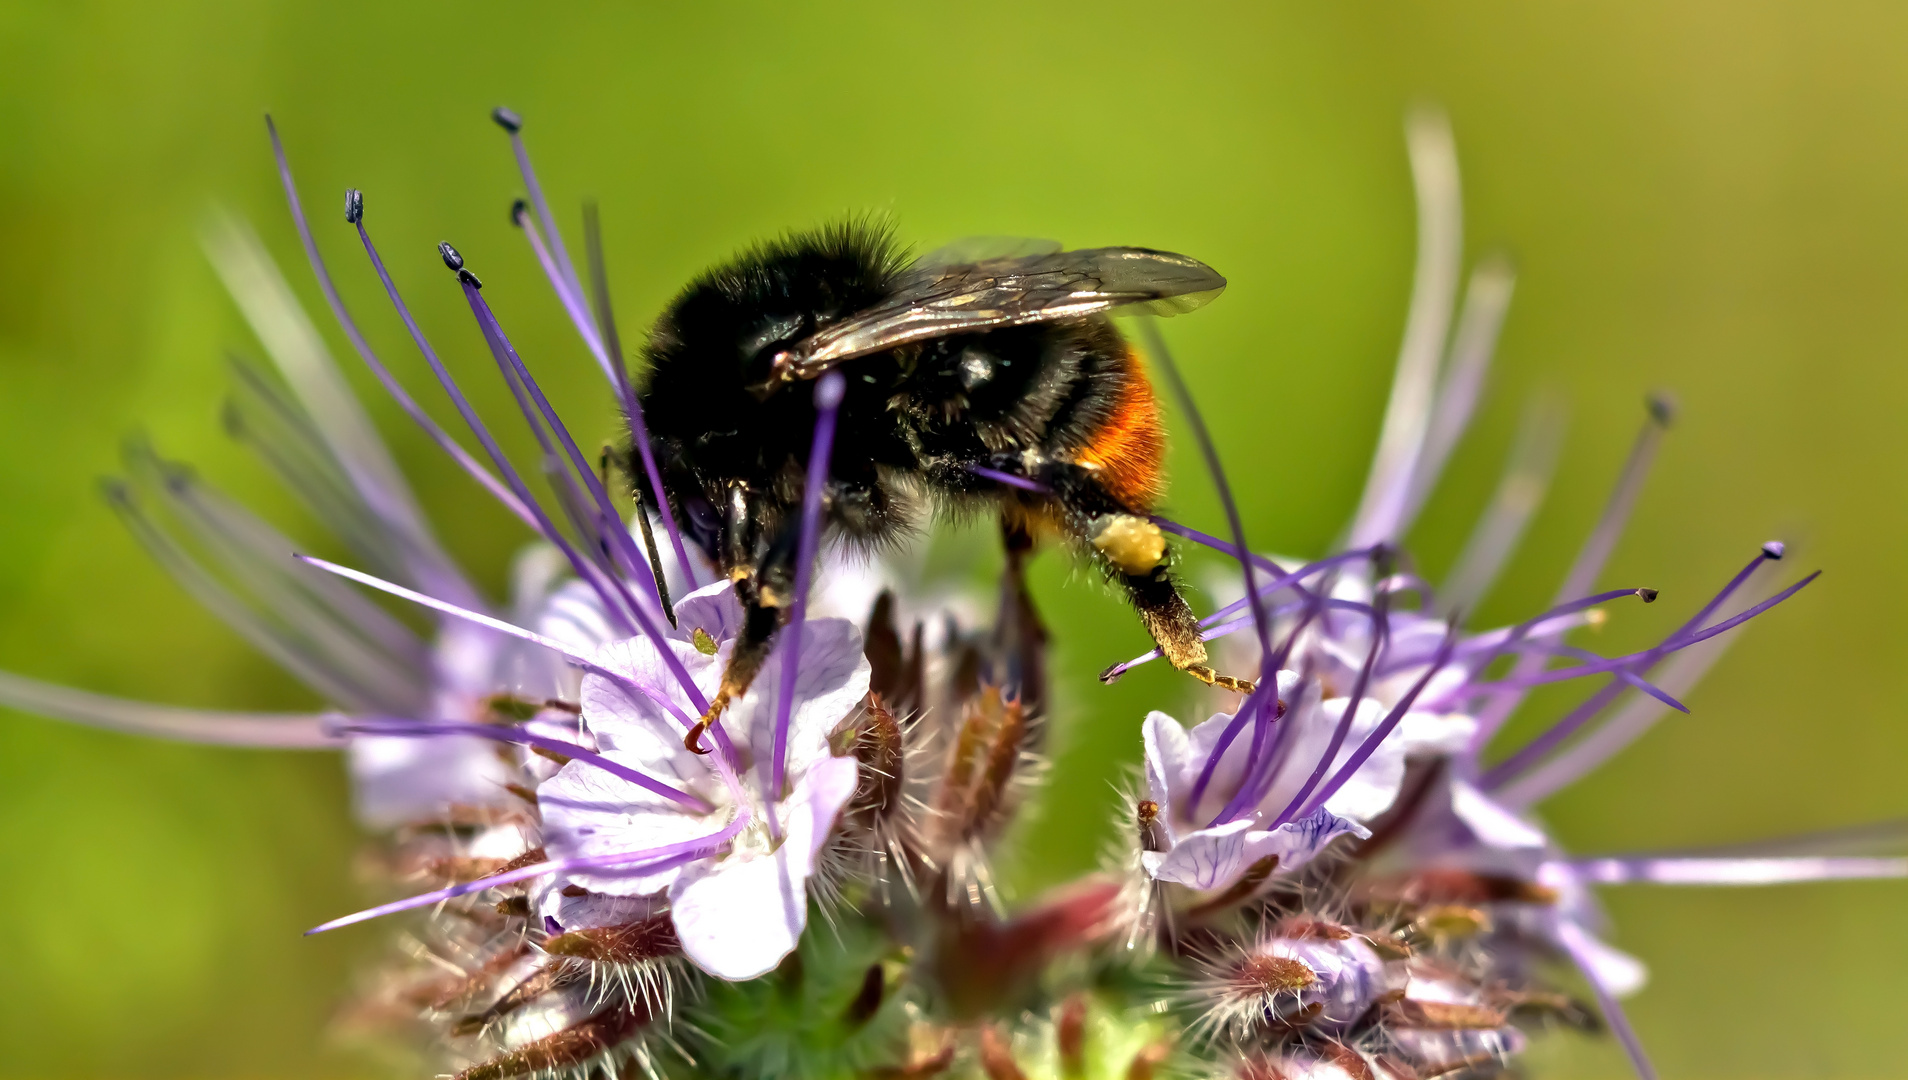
692	740
1224	682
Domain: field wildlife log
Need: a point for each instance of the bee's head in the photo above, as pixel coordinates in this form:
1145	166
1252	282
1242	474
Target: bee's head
731	322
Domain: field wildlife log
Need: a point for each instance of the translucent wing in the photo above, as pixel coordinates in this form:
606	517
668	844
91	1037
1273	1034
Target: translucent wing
933	301
979	249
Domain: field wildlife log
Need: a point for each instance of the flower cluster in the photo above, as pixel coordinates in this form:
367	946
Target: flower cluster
1334	875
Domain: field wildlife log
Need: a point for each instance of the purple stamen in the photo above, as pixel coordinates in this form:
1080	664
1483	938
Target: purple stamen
1163	356
1248	711
503	627
536	517
1616	513
1540	747
1486	299
391	385
650	859
828	394
1385	726
427	729
212	727
1345	720
518	375
632	408
1674	643
1488	647
569	289
1010	479
1595	552
1624	675
513	125
572	302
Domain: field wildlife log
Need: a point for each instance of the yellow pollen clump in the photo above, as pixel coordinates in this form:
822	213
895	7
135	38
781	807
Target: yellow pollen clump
1132	544
1446	921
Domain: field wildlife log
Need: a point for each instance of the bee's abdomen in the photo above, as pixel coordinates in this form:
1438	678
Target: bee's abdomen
1125	446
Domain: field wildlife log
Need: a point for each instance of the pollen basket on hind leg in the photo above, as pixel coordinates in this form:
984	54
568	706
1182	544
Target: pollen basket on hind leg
1132	544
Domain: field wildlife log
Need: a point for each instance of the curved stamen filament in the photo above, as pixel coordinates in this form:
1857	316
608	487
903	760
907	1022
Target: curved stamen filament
828	394
648	859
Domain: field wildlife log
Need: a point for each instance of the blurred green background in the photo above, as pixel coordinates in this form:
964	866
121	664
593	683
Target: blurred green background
1704	197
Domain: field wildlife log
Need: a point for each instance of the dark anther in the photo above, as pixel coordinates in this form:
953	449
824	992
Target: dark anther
451	258
1662	408
469	279
507	120
1773	549
518	210
354	206
1648	595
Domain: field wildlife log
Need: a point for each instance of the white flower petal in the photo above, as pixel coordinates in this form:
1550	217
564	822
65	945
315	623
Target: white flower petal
634	722
1493	825
712	609
832	682
739	916
1619	973
1215	858
589	813
395	781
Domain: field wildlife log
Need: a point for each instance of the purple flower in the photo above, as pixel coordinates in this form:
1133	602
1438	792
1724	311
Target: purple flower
1218	817
1386	707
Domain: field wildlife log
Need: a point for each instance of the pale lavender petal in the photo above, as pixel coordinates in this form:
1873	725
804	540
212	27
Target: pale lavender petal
399	781
712	609
1216	857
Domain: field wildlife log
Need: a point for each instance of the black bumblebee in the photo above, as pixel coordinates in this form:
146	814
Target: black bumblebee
1001	359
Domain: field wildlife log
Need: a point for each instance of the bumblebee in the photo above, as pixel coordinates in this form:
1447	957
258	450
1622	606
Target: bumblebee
999	357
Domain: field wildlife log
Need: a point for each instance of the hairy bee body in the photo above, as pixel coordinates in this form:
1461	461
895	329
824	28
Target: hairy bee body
1059	400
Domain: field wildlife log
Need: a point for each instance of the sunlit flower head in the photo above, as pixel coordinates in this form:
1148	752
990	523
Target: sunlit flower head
1338	873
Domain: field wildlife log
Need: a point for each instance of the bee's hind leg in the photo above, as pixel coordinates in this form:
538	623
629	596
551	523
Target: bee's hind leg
1135	551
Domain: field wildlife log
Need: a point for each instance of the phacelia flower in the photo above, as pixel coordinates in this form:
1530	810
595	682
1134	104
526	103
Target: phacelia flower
1335	876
